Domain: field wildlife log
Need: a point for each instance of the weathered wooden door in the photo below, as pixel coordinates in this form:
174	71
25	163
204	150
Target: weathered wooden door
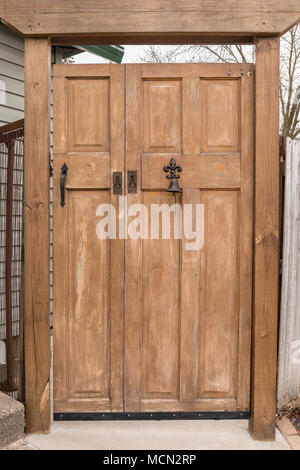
180	325
88	271
187	320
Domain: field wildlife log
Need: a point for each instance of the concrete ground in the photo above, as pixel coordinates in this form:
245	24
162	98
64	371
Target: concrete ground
21	444
152	435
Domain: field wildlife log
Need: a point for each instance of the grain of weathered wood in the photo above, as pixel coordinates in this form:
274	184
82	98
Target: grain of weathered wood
133	248
117	254
58	6
201	170
219	297
206	16
194	71
88	270
36	235
246	237
190	306
266	246
222	134
87	170
197	303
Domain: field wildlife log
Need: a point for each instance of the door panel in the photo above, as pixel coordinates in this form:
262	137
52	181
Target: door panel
220	115
187	333
92	100
162	117
88	271
89	305
219	296
160	311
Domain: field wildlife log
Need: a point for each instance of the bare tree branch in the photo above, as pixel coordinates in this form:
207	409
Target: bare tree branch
289	68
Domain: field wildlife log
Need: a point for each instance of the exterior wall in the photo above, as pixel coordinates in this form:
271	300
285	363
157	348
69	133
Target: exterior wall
11	76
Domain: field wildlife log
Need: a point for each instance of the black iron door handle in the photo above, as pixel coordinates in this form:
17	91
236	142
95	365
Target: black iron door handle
64	171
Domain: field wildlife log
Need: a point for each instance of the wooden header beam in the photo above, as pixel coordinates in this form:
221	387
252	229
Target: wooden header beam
217	17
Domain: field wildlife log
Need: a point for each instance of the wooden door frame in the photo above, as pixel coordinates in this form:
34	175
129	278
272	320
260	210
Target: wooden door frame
266	230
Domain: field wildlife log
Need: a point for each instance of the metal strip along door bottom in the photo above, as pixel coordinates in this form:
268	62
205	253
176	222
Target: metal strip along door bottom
215	415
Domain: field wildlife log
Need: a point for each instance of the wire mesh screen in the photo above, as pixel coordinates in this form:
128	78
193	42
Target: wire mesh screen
11	258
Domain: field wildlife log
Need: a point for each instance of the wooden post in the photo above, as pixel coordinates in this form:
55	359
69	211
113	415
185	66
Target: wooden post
36	234
266	249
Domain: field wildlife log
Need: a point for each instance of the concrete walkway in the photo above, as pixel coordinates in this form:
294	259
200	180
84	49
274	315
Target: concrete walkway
152	435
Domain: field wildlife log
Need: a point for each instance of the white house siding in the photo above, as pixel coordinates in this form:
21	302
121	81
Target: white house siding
11	76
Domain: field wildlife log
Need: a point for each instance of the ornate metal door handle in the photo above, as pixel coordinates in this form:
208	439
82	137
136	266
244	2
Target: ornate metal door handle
64	171
173	176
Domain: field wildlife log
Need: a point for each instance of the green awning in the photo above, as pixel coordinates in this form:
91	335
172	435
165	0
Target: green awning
113	53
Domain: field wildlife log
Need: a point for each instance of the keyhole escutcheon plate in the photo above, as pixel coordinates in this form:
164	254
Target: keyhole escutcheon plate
117	182
132	181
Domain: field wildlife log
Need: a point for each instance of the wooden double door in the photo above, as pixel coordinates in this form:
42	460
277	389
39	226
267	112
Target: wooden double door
141	323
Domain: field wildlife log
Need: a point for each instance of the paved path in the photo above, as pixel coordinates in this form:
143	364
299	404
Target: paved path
152	435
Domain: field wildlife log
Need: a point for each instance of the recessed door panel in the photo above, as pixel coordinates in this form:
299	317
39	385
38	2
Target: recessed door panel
89	298
162	116
89	99
220	112
161	311
219	297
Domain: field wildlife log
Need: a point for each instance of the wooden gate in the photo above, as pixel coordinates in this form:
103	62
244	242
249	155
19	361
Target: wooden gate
144	324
